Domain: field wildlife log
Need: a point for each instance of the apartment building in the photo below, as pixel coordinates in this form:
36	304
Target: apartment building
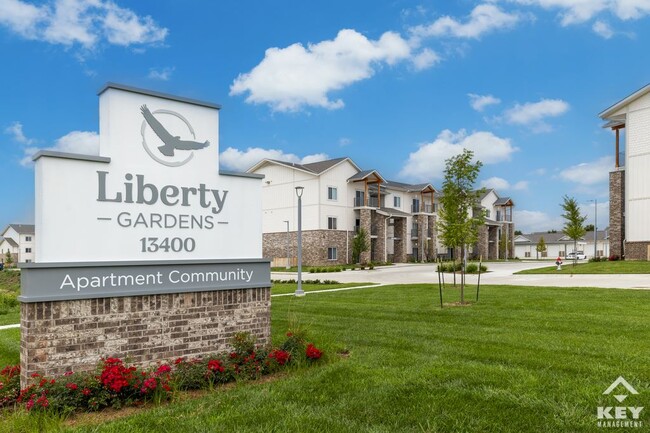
339	198
18	240
629	181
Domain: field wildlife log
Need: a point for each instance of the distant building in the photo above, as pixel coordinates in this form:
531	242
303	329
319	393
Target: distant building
18	239
559	245
629	182
340	198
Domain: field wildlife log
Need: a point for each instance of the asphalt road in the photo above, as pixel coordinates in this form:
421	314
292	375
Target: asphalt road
499	273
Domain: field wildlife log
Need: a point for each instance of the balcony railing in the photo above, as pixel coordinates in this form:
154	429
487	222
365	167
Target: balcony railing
426	208
372	202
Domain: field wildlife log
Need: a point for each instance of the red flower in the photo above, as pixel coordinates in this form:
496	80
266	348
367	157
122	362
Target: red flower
163	369
36	375
215	365
86	392
233	355
72	386
312	352
280	356
289	334
178	361
68	373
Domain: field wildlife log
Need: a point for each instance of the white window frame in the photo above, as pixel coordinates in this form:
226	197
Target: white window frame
28	238
28	250
330	220
332	253
335	195
397	202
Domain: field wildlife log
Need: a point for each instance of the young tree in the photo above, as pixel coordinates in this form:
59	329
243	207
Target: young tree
458	219
359	245
8	259
541	246
573	221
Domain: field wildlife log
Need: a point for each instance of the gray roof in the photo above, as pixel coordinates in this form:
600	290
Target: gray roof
605	114
502	201
23	229
364	174
390	212
559	237
321	166
10	242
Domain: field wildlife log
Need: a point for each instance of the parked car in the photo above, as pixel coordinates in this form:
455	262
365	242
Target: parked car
579	255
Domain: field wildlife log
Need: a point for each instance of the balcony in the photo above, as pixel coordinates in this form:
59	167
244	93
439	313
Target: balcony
414	231
372	202
422	208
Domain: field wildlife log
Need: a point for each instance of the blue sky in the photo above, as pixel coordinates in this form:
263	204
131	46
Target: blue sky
398	86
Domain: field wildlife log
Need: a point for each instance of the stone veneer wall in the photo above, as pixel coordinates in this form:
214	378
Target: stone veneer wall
399	243
616	212
379	225
483	242
431	253
60	336
365	217
637	250
314	246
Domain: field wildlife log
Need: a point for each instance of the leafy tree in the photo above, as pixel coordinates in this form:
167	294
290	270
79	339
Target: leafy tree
589	228
541	246
573	221
359	245
518	232
459	221
8	258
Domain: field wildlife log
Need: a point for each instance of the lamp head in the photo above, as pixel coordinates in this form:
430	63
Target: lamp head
299	190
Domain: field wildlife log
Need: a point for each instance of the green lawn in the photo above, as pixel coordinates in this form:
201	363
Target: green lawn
582	267
278	289
9	290
523	359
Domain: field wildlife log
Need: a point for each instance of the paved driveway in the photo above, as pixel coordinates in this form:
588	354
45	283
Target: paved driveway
499	273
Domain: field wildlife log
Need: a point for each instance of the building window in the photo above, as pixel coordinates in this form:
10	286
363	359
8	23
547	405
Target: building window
561	254
28	261
600	253
544	253
28	250
331	223
397	202
487	213
28	238
526	253
331	193
331	253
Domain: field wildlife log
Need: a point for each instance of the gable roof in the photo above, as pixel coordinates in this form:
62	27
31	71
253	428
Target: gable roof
559	237
366	174
408	187
625	101
315	168
10	241
21	229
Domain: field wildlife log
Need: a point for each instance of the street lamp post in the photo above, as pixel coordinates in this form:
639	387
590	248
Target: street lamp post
288	246
299	291
595	226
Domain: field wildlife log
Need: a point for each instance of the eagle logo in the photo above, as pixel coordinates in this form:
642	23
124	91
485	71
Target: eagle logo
170	143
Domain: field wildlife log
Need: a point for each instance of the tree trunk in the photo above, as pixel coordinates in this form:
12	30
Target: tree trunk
462	274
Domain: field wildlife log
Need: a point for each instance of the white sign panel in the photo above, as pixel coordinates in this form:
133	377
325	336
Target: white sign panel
154	193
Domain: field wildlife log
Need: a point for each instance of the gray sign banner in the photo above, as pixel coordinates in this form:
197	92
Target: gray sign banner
67	281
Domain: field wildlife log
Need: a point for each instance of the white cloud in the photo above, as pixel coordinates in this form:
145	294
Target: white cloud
81	142
16	132
428	161
484	18
603	29
21	17
522	185
589	173
540	171
82	22
235	159
497	183
534	113
529	221
163	74
501	184
579	11
425	59
294	77
479	102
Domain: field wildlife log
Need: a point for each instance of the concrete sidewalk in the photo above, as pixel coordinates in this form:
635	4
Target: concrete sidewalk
500	273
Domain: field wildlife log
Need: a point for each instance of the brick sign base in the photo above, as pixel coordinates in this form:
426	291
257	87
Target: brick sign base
73	335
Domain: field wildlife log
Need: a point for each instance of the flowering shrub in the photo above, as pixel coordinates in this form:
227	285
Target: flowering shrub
117	384
312	352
